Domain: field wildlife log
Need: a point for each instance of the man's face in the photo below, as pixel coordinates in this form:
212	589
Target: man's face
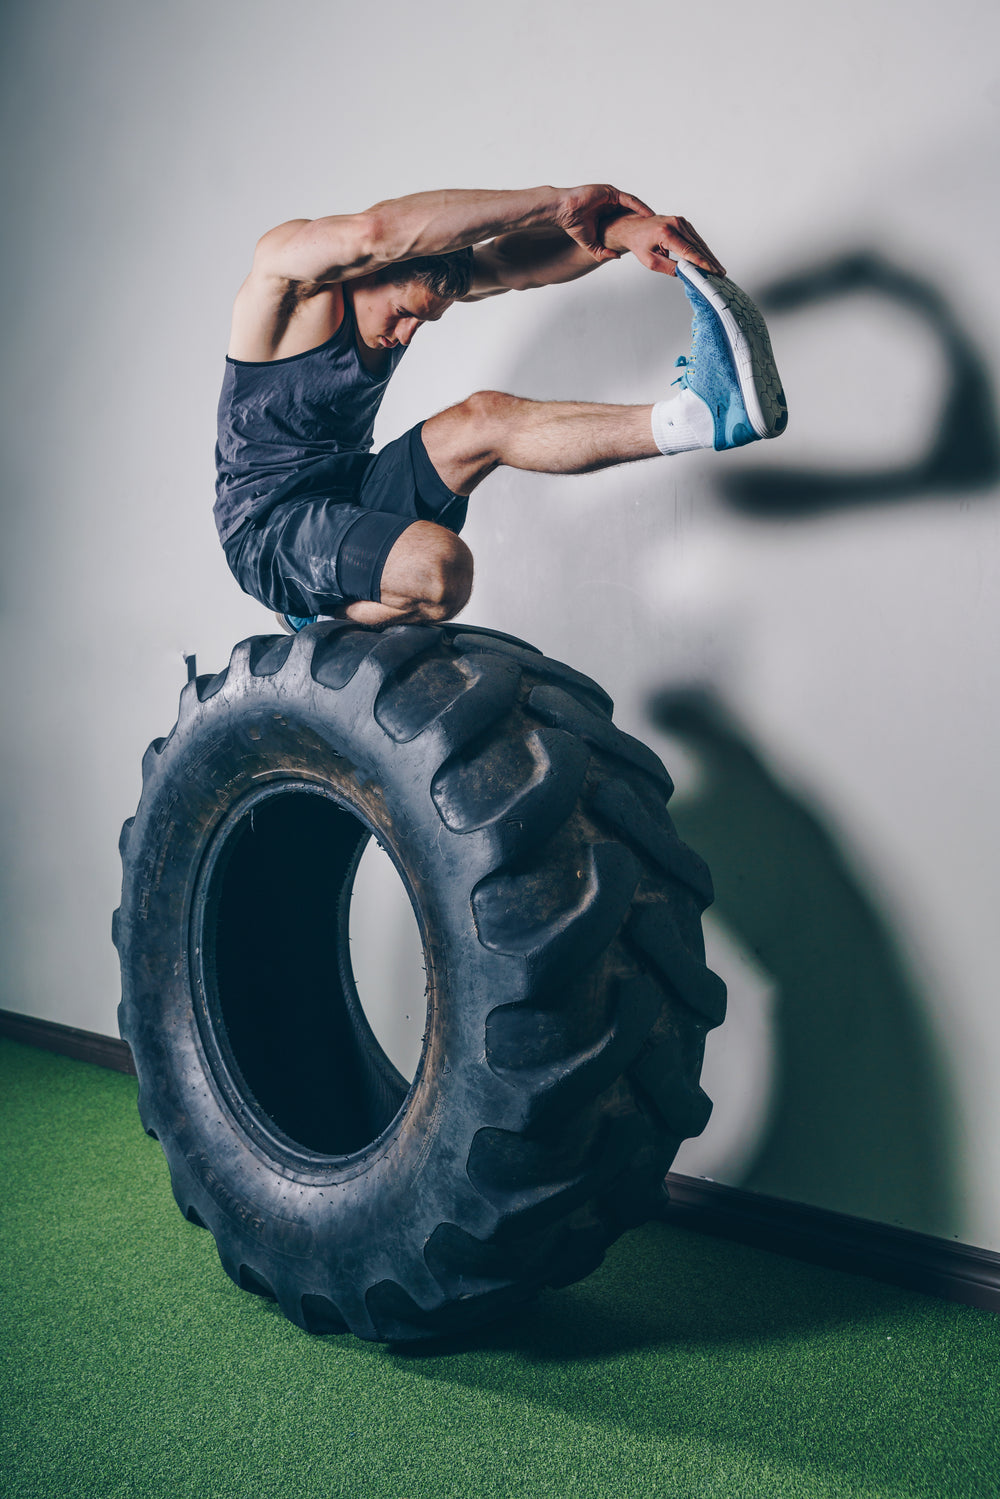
388	315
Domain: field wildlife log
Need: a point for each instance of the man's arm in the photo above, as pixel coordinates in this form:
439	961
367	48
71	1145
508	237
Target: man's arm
528	258
320	252
547	257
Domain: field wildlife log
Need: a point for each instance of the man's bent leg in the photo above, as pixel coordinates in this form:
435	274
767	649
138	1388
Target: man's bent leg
327	558
427	576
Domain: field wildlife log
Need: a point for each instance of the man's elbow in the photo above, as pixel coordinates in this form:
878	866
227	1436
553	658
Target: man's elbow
369	233
498	272
379	236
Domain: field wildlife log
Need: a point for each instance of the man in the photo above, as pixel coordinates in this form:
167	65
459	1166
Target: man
315	524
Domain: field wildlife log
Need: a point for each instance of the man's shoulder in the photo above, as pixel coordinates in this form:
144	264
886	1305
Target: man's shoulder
267	251
274	317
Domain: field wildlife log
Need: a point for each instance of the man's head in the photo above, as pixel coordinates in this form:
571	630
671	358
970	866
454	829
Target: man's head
447	276
392	303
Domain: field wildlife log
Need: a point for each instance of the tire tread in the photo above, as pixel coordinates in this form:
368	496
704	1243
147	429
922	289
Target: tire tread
584	900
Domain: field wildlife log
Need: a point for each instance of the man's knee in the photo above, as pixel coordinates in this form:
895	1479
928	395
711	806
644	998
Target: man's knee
489	408
452	577
428	573
467	442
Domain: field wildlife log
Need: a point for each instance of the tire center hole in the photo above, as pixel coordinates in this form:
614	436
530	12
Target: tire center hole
387	957
313	972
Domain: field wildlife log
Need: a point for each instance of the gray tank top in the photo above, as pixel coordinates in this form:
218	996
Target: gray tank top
295	426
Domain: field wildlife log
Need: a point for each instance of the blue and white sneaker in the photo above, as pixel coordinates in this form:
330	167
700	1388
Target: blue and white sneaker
293	623
731	367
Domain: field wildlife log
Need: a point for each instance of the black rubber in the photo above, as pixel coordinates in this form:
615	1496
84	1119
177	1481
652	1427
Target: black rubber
567	993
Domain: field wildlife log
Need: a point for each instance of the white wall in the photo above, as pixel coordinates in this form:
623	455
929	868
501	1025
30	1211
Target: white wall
835	739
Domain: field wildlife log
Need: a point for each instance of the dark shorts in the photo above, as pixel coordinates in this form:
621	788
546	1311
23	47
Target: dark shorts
310	554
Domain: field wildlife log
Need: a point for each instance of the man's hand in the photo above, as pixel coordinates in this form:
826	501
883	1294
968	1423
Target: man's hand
585	212
652	237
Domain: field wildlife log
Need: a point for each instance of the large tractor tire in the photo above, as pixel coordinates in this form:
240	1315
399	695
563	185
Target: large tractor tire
566	989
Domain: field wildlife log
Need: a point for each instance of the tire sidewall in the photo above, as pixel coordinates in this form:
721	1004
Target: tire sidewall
259	736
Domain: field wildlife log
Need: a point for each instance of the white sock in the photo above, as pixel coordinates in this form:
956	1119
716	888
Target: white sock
682	423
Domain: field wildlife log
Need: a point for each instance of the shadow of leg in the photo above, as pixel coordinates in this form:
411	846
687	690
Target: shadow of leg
860	1122
964	453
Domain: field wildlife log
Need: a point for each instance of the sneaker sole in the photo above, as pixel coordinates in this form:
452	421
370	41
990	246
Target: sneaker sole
750	344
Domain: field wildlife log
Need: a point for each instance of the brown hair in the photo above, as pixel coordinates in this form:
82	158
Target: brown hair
448	275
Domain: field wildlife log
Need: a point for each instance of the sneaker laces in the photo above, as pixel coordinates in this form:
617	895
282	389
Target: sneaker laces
683	361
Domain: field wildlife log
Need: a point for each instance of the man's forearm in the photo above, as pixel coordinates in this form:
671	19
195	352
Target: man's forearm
545	257
529	258
436	222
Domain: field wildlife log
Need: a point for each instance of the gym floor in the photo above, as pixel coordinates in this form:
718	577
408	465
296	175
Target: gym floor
685	1366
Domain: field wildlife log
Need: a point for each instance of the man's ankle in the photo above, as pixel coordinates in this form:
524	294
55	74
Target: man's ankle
682	424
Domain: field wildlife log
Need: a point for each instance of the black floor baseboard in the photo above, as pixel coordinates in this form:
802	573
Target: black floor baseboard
920	1262
901	1256
84	1046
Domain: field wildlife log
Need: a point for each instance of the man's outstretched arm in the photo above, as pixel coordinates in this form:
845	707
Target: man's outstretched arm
545	257
340	247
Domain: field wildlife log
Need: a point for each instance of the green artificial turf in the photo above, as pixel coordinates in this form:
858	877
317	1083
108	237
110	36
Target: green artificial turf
685	1366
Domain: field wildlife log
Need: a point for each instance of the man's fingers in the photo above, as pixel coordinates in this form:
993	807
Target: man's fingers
635	205
688	228
705	264
675	235
681	237
693	234
686	251
702	254
657	259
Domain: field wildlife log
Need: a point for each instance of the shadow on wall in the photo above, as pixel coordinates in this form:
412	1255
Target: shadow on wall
862	1118
964	453
859	1116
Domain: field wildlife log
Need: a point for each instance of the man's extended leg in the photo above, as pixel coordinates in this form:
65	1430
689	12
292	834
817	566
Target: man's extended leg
730	394
490	429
